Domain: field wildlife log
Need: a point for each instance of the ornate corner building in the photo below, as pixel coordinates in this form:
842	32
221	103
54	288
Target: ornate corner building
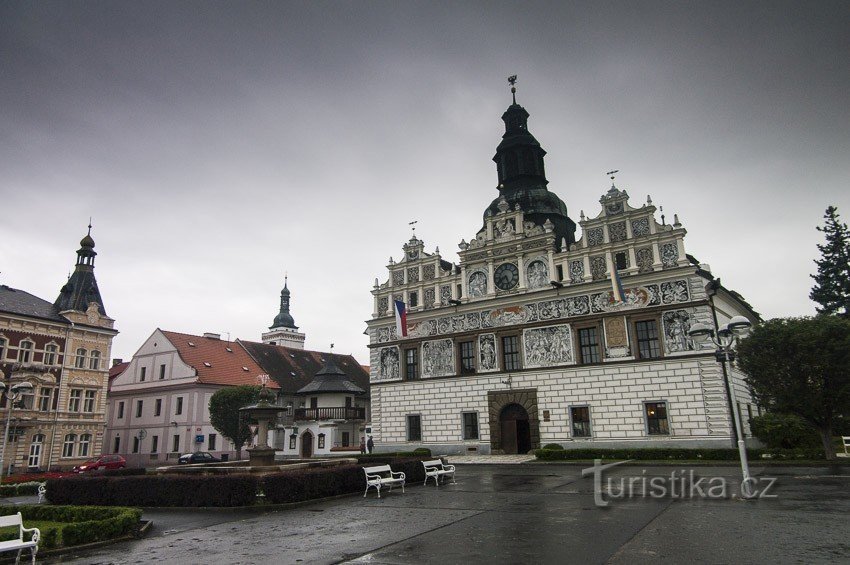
528	341
62	349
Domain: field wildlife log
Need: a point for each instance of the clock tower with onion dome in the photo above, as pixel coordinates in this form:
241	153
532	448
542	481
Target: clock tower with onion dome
535	336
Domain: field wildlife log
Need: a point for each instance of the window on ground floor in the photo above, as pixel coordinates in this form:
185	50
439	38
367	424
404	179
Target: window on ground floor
116	444
175	443
580	418
154	444
136	443
321	441
414	427
83	446
211	442
656	418
470	425
346	439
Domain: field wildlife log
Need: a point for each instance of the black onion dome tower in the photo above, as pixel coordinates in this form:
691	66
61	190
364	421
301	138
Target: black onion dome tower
284	319
81	288
522	176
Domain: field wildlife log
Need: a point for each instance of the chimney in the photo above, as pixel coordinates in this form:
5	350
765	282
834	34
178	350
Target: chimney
211	335
117	362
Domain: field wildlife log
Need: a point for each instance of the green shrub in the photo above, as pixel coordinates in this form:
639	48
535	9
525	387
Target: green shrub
422	451
126	472
20	489
155	490
84	524
784	431
553	446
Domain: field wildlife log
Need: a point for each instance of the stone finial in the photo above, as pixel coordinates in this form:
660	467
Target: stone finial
676	223
563	244
463	245
581	216
516	207
391	261
648	200
503	205
376	282
437	250
548	225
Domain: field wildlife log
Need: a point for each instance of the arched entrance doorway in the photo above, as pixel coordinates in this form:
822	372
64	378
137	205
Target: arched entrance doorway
516	432
306	445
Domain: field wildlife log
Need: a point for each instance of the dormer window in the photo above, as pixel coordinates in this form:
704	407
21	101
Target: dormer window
25	351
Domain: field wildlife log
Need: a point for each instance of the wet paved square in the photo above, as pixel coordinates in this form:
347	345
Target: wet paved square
515	513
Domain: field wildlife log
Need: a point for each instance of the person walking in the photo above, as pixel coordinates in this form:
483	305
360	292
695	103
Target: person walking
362	446
370	445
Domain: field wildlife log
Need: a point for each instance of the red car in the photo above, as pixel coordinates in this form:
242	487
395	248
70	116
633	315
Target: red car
102	463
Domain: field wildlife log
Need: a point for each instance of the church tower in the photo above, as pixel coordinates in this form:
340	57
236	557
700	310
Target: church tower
80	293
283	330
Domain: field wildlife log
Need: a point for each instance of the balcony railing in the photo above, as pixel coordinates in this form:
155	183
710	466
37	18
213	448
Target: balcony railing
341	413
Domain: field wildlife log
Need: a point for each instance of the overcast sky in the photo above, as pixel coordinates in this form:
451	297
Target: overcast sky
218	145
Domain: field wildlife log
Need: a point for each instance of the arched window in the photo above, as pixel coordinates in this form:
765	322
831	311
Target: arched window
94	362
80	361
50	352
68	445
25	351
83	446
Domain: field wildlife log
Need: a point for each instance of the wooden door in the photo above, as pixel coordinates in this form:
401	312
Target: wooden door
509	436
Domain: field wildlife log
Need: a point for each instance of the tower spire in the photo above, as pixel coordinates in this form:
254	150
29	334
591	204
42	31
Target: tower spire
81	289
512	82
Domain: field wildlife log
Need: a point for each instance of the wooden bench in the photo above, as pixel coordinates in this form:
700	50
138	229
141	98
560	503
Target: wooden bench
436	469
381	475
19	544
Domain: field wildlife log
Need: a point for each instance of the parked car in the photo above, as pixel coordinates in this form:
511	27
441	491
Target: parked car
198	457
102	463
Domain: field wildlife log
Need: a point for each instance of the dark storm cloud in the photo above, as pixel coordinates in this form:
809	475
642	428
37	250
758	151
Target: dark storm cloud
219	144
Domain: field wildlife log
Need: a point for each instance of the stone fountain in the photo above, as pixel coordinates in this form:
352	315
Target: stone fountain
264	412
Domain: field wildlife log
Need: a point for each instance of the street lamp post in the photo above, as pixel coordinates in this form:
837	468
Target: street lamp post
13	394
724	341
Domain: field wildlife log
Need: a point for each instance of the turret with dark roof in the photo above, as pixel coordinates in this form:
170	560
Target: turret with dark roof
81	289
330	379
284	318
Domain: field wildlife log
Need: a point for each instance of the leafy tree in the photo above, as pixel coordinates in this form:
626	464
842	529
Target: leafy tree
832	281
801	366
224	413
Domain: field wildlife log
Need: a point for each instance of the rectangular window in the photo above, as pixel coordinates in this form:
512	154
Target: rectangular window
44	397
314	402
620	260
157	407
25	351
161	372
560	270
510	352
321	441
647	339
413	300
136	442
2	349
80	361
88	402
74	400
178	409
154	444
348	402
68	445
656	418
142	373
121	410
50	355
83	446
175	443
588	339
211	442
411	363
467	357
346	439
292	439
414	427
116	445
139	406
580	417
470	425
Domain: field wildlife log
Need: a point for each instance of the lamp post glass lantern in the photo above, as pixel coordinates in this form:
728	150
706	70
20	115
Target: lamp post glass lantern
724	340
12	396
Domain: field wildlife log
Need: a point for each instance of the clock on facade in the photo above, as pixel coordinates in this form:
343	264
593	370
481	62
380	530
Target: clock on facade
506	276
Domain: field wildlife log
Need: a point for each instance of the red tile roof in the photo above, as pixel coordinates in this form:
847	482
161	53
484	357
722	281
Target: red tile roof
116	370
217	361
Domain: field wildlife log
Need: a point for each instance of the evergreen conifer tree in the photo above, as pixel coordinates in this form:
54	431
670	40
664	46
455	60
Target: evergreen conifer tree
832	281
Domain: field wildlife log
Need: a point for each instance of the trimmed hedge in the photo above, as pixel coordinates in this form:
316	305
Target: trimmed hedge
308	484
674	454
126	472
85	524
154	490
20	489
553	446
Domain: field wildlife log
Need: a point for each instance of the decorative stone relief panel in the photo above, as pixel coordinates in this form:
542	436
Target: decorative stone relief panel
616	338
413	274
595	237
676	325
576	271
598	268
669	292
504	229
445	294
487	353
547	346
537	275
644	259
617	231
388	367
398	278
477	284
669	254
398	297
430	296
640	227
383	305
438	358
428	272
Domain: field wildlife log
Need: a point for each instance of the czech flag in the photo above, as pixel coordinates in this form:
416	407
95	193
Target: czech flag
400	318
617	285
